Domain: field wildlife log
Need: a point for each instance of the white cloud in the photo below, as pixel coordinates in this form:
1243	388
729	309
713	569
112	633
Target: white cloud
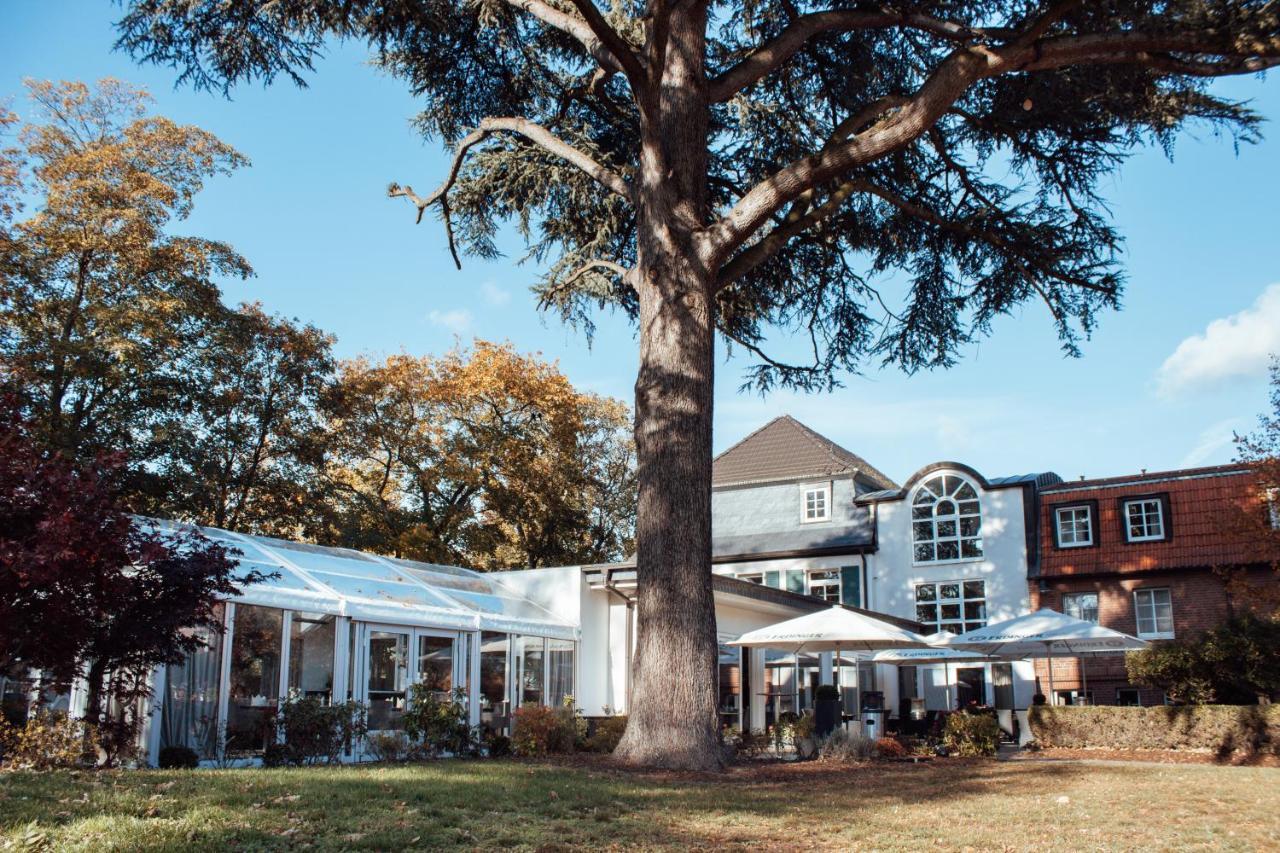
457	321
1229	348
1211	440
493	295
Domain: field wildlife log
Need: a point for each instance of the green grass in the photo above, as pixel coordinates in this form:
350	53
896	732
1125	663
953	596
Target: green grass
947	805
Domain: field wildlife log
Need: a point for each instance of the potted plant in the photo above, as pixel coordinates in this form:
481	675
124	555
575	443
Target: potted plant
802	732
826	709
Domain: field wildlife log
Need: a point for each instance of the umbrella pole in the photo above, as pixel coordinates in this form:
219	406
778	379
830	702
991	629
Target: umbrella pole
1053	697
946	679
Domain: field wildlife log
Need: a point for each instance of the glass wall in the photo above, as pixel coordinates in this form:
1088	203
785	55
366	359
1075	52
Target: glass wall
435	663
530	651
730	684
189	707
559	671
256	642
493	680
388	678
311	638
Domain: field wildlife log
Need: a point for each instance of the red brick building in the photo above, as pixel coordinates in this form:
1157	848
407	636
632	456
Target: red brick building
1157	556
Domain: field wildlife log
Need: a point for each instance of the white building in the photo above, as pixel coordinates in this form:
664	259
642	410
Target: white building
949	549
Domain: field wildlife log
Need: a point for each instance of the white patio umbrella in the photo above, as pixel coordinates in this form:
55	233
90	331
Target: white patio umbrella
1045	634
938	653
836	629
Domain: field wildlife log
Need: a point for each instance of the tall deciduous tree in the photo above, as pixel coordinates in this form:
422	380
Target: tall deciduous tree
243	444
486	458
740	166
98	303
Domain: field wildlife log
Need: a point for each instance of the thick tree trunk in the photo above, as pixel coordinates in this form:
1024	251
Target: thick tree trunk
672	712
673	720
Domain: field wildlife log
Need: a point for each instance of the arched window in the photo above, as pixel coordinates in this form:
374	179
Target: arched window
946	520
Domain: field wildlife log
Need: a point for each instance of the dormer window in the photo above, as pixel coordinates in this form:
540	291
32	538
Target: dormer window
1145	519
815	503
1073	526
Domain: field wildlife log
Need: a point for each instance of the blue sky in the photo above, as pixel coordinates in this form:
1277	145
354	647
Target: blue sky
1162	384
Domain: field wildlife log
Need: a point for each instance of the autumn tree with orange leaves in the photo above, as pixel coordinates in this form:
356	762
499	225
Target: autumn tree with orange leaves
487	458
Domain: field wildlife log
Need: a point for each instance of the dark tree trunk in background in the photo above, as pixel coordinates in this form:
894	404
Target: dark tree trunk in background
672	714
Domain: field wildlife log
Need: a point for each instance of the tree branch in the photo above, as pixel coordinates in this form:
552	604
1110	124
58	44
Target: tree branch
618	47
1220	51
613	55
531	131
770	56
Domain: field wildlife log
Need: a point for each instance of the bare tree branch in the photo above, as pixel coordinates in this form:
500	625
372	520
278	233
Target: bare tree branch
531	131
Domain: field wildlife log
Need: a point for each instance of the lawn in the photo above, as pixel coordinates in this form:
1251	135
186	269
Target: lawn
948	805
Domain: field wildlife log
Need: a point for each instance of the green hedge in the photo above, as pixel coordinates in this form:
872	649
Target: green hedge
1221	729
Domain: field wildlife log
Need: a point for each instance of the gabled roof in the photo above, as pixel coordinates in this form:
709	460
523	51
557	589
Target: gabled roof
785	449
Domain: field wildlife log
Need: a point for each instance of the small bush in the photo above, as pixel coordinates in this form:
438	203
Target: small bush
387	746
48	741
887	747
1224	730
440	724
496	745
608	731
315	733
971	734
178	758
842	745
539	730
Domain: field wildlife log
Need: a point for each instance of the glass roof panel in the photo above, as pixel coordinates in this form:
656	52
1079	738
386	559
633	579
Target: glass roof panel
398	592
501	605
475	583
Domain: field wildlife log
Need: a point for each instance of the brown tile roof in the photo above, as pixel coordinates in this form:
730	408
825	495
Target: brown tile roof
1204	507
785	449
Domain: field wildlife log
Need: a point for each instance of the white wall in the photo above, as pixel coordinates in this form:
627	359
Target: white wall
893	574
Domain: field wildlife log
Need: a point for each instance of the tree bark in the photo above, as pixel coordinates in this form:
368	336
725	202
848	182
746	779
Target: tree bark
672	710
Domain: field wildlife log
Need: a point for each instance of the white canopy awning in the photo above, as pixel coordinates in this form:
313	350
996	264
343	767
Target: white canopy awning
1045	633
936	654
834	629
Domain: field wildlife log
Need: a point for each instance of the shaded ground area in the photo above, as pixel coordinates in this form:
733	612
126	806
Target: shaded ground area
1151	756
942	805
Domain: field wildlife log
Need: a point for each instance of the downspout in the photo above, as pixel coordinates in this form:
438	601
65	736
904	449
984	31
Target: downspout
631	606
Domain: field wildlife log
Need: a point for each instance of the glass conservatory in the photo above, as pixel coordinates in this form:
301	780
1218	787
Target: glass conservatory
338	624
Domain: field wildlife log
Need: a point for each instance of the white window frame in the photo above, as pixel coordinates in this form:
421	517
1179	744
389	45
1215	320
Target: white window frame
1148	537
822	489
1097	606
1272	496
1138	608
955	626
826	583
752	577
958	519
1058	514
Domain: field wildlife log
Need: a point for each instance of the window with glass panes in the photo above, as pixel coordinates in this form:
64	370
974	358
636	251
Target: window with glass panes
1075	526
1154	609
955	606
946	520
816	499
1144	519
825	584
1081	605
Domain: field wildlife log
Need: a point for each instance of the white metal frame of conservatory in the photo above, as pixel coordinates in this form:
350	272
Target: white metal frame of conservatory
393	621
